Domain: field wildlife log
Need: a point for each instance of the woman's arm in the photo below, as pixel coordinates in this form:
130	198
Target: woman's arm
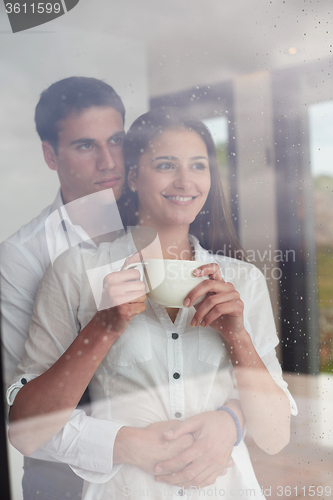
265	405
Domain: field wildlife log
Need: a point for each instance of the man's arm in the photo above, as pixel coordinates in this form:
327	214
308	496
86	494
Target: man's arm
61	357
22	268
21	271
46	403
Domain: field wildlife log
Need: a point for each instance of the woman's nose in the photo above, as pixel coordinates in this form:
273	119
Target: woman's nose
183	179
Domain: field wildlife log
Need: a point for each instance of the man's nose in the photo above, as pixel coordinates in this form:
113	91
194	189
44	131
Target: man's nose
105	159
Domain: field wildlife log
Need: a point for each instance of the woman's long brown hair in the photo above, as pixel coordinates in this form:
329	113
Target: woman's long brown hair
213	226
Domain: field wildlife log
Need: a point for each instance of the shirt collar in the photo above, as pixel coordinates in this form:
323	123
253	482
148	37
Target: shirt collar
201	254
61	233
58	202
55	222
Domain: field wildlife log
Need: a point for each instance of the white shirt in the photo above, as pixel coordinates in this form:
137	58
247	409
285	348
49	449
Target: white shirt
24	257
135	384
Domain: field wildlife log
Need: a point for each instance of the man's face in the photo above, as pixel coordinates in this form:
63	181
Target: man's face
90	153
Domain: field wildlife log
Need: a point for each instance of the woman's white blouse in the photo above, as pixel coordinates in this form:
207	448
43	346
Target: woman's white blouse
150	374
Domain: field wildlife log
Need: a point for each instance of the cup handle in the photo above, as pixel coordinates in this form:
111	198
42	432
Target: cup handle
144	265
132	266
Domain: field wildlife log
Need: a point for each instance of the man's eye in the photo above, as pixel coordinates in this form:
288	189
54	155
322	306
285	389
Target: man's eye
85	147
117	140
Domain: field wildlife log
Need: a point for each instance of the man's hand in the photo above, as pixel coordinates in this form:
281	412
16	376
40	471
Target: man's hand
215	434
146	447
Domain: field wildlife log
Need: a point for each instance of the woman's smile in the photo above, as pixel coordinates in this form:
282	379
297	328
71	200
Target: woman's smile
180	200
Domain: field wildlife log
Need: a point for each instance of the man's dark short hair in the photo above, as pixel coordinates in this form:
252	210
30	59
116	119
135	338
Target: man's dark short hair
72	94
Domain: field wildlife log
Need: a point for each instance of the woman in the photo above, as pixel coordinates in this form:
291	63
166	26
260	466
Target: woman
158	367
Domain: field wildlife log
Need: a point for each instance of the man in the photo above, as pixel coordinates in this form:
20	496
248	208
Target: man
69	114
80	122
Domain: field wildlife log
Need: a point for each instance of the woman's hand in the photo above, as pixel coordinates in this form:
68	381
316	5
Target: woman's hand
145	447
123	297
123	286
222	308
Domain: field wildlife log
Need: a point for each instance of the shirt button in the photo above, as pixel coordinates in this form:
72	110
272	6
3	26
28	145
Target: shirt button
176	375
181	493
175	336
178	414
24	381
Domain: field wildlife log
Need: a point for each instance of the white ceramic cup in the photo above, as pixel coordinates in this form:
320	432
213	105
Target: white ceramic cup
170	281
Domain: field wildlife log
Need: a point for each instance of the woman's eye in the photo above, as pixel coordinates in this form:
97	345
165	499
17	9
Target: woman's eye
165	166
199	166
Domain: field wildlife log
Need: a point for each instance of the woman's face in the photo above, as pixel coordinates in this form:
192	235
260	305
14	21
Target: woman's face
172	179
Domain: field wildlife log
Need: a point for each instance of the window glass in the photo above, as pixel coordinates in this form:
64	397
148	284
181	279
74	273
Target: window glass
259	74
321	149
218	127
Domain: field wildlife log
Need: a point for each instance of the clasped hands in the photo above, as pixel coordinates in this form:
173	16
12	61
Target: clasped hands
190	453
